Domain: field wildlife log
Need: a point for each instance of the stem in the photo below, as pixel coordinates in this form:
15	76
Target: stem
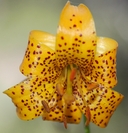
87	129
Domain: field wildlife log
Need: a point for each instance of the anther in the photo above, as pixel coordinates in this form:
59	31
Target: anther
72	74
64	120
60	89
45	105
92	86
88	116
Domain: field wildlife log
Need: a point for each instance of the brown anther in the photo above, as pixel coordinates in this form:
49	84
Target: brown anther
92	86
88	116
73	73
45	105
64	120
60	89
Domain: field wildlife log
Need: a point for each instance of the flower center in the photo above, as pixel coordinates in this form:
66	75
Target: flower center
68	95
64	86
65	89
67	76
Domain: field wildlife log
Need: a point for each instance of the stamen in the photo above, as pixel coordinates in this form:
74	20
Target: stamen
60	89
73	73
45	104
64	120
61	82
88	116
92	86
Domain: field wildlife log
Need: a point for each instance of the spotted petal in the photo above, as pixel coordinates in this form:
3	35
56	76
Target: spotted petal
28	96
63	113
102	102
104	64
76	37
103	108
39	58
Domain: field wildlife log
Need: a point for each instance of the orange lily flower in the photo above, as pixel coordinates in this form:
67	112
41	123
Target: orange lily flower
68	74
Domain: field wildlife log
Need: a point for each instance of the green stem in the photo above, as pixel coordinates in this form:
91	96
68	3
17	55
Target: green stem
87	129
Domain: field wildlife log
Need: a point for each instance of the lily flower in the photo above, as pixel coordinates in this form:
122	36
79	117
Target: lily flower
69	74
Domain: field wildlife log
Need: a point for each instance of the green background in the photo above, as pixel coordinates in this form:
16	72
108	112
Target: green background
18	18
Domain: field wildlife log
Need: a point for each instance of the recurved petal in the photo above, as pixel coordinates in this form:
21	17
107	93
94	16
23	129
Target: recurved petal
101	110
28	96
104	64
39	58
101	102
76	37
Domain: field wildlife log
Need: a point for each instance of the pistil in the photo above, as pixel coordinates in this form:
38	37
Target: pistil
68	96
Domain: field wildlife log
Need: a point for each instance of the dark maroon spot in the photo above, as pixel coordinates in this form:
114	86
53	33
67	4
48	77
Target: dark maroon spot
48	52
103	79
38	46
62	37
80	35
34	52
109	82
65	43
13	92
59	45
98	113
83	42
110	57
76	39
29	65
74	25
40	52
38	58
80	21
22	100
96	61
29	42
88	50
